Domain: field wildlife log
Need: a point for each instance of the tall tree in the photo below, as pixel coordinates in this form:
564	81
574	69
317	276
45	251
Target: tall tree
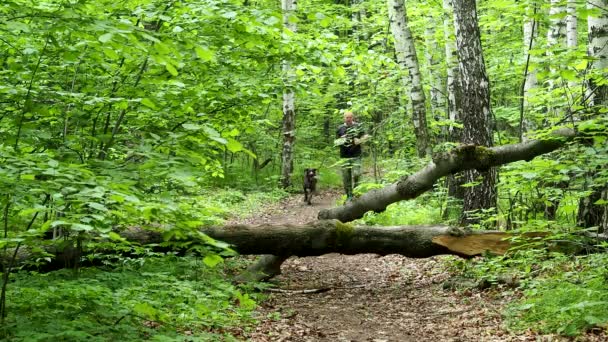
571	24
475	107
433	56
555	34
289	111
530	80
593	209
597	23
453	93
406	57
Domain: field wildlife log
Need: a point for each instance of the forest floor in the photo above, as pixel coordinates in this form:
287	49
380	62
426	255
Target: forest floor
367	297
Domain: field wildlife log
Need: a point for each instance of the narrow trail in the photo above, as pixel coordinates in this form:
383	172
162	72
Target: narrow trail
367	297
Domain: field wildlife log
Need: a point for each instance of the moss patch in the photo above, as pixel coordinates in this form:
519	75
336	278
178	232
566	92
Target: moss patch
344	232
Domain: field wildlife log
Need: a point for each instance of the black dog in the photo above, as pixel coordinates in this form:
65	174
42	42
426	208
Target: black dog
310	184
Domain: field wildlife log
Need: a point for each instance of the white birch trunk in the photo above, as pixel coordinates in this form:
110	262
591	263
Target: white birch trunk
433	56
406	57
571	27
530	36
598	49
289	113
555	33
452	70
590	212
571	34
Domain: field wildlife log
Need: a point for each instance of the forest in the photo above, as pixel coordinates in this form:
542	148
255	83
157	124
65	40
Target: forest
152	156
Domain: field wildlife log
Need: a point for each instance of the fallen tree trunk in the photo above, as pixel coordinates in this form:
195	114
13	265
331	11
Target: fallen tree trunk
332	236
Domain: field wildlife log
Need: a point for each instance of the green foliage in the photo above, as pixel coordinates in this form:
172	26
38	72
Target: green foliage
423	210
166	298
570	300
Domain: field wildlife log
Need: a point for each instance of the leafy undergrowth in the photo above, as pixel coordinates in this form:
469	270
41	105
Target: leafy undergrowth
154	297
570	300
160	299
559	294
214	206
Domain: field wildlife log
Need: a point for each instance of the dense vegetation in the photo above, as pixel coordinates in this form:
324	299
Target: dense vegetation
154	113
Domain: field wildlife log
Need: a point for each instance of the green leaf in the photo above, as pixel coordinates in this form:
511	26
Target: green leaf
148	103
27	177
110	53
212	259
529	175
234	146
79	227
17	26
104	38
97	206
114	236
204	53
191	127
145	309
171	69
53	163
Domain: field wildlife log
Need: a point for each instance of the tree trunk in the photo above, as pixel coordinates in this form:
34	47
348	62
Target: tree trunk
332	236
571	26
289	113
593	210
530	81
557	28
598	41
406	57
475	108
433	57
455	189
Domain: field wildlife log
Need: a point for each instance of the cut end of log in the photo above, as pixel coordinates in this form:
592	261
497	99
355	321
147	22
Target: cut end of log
475	244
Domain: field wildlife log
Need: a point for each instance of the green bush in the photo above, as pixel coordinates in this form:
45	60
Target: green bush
163	299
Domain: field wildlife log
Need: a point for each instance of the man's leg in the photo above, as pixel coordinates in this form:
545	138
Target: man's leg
347	176
356	171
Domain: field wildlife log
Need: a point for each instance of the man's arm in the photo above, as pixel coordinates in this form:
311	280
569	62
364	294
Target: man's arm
361	137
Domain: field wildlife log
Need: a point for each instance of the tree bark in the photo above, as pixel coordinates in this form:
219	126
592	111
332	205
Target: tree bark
555	34
289	112
433	56
593	210
475	109
331	236
530	80
455	189
407	58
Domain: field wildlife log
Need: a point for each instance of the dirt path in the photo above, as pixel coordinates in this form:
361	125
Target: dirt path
370	298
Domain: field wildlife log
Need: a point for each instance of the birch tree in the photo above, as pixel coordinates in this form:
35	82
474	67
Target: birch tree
530	79
289	112
406	57
452	89
475	108
593	209
571	34
555	34
598	49
571	24
433	56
